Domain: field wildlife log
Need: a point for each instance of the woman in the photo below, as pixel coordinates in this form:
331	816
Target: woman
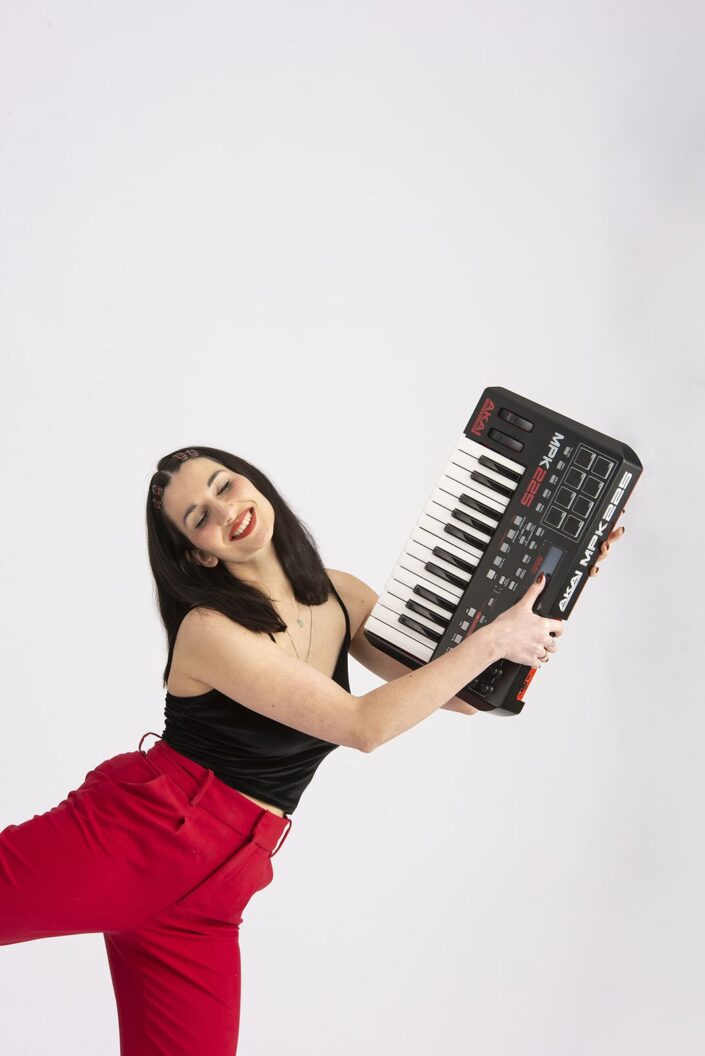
161	850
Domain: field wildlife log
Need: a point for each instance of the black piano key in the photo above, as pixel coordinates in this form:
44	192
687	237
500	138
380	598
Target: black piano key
474	522
430	614
443	573
489	463
420	628
429	595
471	540
499	488
468	500
452	559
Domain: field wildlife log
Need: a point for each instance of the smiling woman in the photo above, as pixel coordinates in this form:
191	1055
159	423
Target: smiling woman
161	850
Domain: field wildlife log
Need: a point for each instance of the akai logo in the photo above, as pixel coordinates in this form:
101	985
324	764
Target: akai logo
570	590
478	426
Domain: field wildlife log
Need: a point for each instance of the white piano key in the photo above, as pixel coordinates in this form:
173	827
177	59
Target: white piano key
442	513
470	463
422	552
384	624
414	567
461	474
448	494
406	576
405	593
395	604
433	527
474	448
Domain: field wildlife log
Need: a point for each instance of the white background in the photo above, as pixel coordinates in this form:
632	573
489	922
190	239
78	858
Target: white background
312	234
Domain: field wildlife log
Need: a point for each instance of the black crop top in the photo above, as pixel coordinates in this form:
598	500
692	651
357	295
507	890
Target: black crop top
249	751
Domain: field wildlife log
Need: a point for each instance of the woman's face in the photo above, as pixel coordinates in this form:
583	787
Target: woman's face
206	501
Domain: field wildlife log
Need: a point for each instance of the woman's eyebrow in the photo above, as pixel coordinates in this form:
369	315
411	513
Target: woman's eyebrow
193	505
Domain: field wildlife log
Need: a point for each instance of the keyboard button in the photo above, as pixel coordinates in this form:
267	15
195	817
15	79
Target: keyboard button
584	458
574	478
564	497
515	419
602	467
572	526
593	487
554	517
505	441
582	506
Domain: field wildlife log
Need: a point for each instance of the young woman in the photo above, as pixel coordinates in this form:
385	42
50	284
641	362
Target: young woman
161	850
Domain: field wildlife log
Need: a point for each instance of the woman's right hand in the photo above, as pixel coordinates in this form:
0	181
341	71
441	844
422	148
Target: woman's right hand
522	636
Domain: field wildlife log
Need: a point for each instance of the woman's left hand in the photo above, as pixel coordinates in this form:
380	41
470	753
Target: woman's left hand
614	535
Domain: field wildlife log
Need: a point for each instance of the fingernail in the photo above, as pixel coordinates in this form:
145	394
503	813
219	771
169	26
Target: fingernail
540	579
621	530
606	546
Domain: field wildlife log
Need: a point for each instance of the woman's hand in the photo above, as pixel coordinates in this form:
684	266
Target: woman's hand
521	635
614	535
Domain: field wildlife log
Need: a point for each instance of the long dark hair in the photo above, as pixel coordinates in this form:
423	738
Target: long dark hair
182	584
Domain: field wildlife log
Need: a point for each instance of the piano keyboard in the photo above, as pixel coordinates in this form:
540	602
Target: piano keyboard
525	490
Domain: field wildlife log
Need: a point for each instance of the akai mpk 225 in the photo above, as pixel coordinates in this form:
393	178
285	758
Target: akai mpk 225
525	491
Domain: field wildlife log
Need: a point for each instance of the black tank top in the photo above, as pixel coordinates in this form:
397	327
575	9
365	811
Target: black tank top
249	751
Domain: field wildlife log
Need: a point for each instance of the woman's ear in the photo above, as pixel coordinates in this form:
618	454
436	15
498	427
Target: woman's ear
197	557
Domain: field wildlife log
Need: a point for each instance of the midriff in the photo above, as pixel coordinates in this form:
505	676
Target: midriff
267	806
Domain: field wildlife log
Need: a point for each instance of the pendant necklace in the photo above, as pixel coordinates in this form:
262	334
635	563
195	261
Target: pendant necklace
301	623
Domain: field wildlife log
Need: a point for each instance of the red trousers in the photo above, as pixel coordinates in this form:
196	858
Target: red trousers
159	855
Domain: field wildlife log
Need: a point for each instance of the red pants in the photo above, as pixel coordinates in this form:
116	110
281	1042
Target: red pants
162	857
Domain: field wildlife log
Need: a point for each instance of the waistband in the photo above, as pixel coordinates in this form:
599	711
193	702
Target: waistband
202	786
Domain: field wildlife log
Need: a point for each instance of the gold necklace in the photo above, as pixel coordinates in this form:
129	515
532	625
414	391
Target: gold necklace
301	623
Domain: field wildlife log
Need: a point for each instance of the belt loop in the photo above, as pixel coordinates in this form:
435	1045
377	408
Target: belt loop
209	776
157	735
281	841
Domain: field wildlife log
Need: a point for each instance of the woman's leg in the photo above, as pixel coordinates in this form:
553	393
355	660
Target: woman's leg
177	986
102	859
162	860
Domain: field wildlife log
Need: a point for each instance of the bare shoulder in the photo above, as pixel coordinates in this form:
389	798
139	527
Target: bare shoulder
358	597
247	667
201	621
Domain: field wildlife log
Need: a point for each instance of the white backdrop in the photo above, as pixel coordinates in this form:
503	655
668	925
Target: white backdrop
312	233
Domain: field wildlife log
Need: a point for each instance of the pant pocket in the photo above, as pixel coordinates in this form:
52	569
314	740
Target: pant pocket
224	893
143	791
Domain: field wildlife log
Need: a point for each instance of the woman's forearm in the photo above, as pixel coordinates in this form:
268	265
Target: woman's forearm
396	706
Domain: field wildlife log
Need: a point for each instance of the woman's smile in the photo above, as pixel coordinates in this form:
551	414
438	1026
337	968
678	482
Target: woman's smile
249	524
